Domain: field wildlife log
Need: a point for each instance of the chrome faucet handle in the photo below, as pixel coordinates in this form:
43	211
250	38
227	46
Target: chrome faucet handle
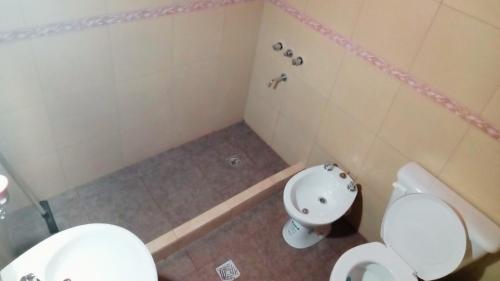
283	78
29	277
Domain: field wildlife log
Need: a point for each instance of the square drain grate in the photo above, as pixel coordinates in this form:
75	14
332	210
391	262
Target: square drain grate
228	271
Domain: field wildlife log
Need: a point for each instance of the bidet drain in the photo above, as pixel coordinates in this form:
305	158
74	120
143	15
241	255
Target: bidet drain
233	160
305	211
322	200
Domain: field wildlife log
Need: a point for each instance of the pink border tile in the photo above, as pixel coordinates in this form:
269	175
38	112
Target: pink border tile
110	19
419	87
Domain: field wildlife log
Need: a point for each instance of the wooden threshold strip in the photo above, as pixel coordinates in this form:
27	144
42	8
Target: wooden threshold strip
179	237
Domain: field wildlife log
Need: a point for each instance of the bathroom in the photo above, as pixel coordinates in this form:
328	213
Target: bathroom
154	115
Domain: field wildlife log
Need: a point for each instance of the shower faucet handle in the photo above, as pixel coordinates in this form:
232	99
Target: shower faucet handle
274	82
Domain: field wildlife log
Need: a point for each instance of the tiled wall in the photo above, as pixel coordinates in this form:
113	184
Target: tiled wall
337	106
79	105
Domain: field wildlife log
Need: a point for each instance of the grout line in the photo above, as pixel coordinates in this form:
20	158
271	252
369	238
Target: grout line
471	16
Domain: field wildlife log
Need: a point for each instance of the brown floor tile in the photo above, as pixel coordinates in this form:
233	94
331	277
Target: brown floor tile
176	267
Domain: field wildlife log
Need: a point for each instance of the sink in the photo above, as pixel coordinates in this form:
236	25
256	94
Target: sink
97	252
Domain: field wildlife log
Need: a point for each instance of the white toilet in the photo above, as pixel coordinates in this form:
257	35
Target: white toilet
428	232
314	198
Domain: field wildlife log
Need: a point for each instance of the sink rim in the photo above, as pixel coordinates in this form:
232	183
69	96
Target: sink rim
38	259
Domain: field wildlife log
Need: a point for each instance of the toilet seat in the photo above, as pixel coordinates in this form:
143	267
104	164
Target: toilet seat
423	237
376	253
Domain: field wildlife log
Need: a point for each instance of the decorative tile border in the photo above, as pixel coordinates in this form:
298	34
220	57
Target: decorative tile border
420	88
110	19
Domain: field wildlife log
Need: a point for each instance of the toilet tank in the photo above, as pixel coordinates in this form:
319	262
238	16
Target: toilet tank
483	234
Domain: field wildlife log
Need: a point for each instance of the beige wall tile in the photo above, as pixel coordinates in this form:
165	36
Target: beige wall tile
26	133
237	62
19	83
92	159
319	156
49	11
146	116
142	48
63	61
492	110
460	57
78	108
11	15
421	130
98	115
43	174
261	118
292	140
394	29
380	167
241	19
473	171
364	91
344	138
302	103
233	83
139	97
340	15
322	59
487	10
128	5
196	100
197	36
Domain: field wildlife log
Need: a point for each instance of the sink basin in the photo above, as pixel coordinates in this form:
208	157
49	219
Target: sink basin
97	252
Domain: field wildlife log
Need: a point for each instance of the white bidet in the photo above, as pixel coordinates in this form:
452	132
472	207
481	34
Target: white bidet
315	198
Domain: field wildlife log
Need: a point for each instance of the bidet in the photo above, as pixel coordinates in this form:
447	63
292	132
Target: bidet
314	198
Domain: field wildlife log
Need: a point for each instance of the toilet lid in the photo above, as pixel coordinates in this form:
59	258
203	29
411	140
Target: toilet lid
426	233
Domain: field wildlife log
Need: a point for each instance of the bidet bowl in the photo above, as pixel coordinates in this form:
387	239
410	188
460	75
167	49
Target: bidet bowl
319	195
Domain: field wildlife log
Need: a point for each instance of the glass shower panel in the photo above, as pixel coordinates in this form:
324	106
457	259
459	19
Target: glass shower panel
23	225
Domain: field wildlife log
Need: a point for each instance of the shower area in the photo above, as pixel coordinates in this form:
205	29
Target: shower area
124	112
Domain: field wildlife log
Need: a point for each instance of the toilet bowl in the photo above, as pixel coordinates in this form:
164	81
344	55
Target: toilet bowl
425	230
372	262
314	198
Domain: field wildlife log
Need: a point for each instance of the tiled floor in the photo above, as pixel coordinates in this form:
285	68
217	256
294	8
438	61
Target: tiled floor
152	197
254	243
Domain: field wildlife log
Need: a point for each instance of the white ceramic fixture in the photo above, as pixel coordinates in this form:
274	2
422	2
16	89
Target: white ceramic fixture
97	252
425	231
314	198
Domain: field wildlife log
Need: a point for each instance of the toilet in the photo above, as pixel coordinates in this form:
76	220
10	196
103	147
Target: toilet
428	231
314	198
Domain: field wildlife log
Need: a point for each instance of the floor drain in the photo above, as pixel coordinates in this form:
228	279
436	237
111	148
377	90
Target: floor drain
234	160
305	211
322	200
228	271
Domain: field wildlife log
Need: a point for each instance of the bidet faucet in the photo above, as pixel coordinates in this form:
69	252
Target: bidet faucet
29	277
283	77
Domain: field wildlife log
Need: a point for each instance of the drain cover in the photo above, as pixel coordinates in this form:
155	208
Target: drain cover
228	271
322	200
233	160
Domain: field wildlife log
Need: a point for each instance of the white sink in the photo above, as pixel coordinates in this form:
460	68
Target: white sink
97	252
